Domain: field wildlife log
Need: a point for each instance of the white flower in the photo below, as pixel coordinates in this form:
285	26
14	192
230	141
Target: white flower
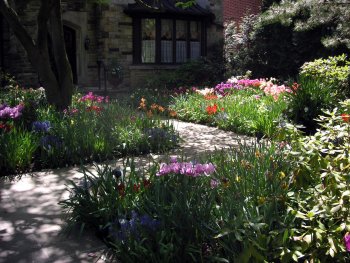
306	109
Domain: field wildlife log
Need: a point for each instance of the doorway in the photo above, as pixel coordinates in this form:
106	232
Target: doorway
71	49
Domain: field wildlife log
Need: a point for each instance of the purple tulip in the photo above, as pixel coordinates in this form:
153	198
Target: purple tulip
347	241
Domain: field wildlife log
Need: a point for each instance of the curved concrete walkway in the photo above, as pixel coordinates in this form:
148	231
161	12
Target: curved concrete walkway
31	219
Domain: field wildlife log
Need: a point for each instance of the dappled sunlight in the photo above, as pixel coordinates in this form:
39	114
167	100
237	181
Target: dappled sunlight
31	221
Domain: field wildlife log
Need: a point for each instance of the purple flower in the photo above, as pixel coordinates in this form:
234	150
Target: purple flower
173	159
209	168
347	241
3	106
43	126
12	113
186	168
214	183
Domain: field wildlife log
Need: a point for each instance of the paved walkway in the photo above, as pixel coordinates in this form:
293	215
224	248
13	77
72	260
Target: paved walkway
31	219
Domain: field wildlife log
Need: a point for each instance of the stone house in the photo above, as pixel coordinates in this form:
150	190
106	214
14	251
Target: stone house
122	42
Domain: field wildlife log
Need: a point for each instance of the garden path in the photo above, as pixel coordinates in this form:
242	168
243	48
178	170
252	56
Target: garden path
31	219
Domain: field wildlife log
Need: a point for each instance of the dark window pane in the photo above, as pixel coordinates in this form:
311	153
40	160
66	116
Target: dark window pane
195	32
166	41
148	51
181	46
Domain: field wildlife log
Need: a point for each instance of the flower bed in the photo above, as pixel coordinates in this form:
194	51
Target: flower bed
92	129
274	202
246	106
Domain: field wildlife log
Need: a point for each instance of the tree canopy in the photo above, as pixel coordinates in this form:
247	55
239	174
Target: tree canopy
306	15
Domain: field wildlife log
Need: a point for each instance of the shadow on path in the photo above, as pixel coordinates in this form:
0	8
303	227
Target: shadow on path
31	220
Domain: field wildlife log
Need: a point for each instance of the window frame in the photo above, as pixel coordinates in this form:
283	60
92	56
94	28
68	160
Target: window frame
137	38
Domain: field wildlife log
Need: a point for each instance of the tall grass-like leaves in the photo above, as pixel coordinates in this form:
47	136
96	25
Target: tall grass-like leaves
243	111
251	201
17	150
308	101
234	213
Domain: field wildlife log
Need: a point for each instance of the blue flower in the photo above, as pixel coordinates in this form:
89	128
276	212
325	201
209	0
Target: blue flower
41	126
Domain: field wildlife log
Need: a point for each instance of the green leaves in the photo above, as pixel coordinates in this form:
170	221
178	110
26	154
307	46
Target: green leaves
319	205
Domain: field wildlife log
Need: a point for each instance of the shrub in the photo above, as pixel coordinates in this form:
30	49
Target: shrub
334	71
319	196
198	72
309	98
270	48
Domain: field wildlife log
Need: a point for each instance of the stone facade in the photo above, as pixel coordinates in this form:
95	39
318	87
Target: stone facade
103	38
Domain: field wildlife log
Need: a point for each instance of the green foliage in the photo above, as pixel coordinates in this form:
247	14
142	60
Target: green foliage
309	99
268	46
199	72
305	15
333	71
320	194
17	150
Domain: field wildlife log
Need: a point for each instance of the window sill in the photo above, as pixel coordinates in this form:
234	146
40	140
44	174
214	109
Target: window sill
153	67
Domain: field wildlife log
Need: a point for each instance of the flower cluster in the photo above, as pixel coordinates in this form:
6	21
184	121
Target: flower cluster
211	110
41	126
11	112
94	108
91	97
267	86
205	91
222	88
273	89
157	108
249	82
186	168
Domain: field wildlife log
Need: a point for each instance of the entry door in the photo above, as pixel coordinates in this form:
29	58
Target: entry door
71	49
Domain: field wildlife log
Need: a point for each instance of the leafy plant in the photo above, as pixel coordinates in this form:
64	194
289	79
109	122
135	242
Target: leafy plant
334	71
309	98
17	150
319	196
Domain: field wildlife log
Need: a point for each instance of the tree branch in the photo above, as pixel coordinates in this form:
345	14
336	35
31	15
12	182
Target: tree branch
21	33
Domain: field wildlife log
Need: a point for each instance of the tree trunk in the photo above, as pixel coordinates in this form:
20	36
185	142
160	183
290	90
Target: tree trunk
58	85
